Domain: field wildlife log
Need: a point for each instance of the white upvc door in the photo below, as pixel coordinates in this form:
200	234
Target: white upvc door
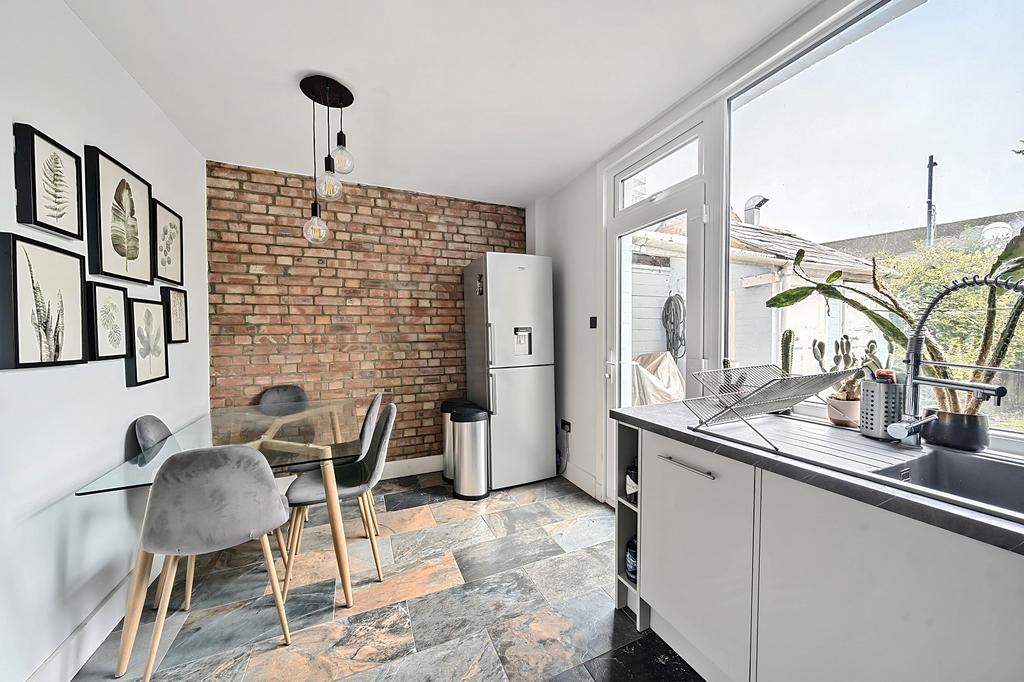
683	209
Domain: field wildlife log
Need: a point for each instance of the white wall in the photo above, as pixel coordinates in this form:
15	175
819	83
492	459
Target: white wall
62	574
568	228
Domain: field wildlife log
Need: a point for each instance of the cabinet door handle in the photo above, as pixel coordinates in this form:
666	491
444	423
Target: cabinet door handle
706	474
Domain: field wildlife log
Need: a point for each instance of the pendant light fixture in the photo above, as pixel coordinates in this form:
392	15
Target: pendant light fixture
329	94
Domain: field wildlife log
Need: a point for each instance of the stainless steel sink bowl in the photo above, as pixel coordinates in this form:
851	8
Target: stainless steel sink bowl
985	477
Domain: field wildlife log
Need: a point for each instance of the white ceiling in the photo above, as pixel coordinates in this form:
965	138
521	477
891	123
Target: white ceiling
480	99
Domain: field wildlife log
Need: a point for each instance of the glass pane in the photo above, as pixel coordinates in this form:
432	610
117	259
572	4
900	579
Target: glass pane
666	172
652	313
834	161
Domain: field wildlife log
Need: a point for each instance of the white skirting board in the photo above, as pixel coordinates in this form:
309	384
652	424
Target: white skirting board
411	467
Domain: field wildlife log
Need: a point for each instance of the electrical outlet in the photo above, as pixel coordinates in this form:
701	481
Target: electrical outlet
566	426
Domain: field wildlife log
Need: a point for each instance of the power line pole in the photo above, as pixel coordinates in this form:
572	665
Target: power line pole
929	230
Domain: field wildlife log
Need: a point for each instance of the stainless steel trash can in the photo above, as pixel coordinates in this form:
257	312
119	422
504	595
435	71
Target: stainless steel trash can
469	444
448	454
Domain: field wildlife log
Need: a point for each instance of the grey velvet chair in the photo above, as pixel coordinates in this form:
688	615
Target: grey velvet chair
150	430
206	500
356	480
353	450
283	400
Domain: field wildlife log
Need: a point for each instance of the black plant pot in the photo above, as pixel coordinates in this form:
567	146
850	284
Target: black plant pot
960	431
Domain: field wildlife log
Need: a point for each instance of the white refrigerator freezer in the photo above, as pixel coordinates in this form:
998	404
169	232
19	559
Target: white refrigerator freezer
510	358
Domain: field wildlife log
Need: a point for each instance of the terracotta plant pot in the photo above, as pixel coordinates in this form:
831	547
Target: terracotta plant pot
843	412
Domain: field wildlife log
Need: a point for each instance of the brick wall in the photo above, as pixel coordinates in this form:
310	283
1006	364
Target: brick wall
376	308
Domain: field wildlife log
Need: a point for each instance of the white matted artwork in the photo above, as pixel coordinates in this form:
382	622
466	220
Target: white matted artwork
119	204
168	249
148	361
176	304
108	306
43	306
47	178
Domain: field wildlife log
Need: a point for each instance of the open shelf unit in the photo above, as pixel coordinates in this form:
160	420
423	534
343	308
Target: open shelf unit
627	525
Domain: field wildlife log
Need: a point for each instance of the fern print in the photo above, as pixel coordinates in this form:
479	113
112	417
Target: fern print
124	226
49	324
55	187
109	317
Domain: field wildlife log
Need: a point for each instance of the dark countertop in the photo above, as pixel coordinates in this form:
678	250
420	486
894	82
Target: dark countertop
831	458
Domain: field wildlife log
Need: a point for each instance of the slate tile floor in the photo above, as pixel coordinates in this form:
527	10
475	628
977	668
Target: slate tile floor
514	587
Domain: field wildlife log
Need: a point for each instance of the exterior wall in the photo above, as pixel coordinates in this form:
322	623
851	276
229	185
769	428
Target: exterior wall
751	322
378	307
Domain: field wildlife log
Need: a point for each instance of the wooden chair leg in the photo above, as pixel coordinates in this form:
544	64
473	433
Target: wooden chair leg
373	511
367	524
159	586
190	574
281	546
166	581
293	549
268	556
133	610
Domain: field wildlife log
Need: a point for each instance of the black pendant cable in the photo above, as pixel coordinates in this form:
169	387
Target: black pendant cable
315	229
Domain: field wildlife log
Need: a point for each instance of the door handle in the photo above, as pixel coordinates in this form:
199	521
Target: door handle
494	394
490	344
693	470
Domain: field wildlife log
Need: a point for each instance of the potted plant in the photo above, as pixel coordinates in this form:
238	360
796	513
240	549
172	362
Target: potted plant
844	403
890	311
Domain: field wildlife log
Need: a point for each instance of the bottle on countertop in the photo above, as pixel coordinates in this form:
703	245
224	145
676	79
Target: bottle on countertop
632	481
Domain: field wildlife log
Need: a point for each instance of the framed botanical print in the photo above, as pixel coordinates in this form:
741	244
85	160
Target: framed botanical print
118	203
168	249
176	306
108	320
42	304
148	360
48	182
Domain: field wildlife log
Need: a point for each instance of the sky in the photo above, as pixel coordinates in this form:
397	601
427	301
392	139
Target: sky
841	149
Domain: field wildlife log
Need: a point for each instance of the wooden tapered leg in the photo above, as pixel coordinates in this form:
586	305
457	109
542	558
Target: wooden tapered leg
275	588
190	575
281	546
302	534
159	587
337	528
368	525
293	549
166	582
373	511
133	610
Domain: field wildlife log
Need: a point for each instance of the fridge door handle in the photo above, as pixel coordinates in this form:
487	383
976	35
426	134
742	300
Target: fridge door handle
490	344
494	393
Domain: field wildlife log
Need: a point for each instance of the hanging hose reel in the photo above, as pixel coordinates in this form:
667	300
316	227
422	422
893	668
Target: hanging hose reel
673	319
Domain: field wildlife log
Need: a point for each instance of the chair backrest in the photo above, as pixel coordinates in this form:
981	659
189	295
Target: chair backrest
379	443
150	430
369	423
283	400
209	499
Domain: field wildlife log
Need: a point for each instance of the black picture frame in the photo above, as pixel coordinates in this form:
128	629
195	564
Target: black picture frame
95	351
132	362
157	238
96	207
165	295
25	185
10	325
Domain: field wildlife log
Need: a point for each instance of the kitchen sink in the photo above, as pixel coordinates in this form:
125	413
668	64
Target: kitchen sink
985	477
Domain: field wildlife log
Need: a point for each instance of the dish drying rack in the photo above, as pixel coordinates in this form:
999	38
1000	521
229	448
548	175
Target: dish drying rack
741	393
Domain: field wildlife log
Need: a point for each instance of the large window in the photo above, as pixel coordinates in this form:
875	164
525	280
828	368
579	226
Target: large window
830	159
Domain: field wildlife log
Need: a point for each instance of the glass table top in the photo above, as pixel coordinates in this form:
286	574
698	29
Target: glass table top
286	434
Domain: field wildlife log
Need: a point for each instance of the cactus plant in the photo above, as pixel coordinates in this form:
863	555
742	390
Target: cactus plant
787	351
844	358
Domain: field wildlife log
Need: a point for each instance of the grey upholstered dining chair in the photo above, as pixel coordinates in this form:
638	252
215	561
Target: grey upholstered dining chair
283	400
352	450
150	431
356	480
206	500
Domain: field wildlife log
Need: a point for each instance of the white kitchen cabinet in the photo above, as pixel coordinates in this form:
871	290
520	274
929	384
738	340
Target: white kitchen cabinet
696	535
848	592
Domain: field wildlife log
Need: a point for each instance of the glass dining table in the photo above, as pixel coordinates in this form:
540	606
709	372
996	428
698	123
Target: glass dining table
287	434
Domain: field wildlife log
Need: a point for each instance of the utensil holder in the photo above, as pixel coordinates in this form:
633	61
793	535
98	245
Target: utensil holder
880	405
